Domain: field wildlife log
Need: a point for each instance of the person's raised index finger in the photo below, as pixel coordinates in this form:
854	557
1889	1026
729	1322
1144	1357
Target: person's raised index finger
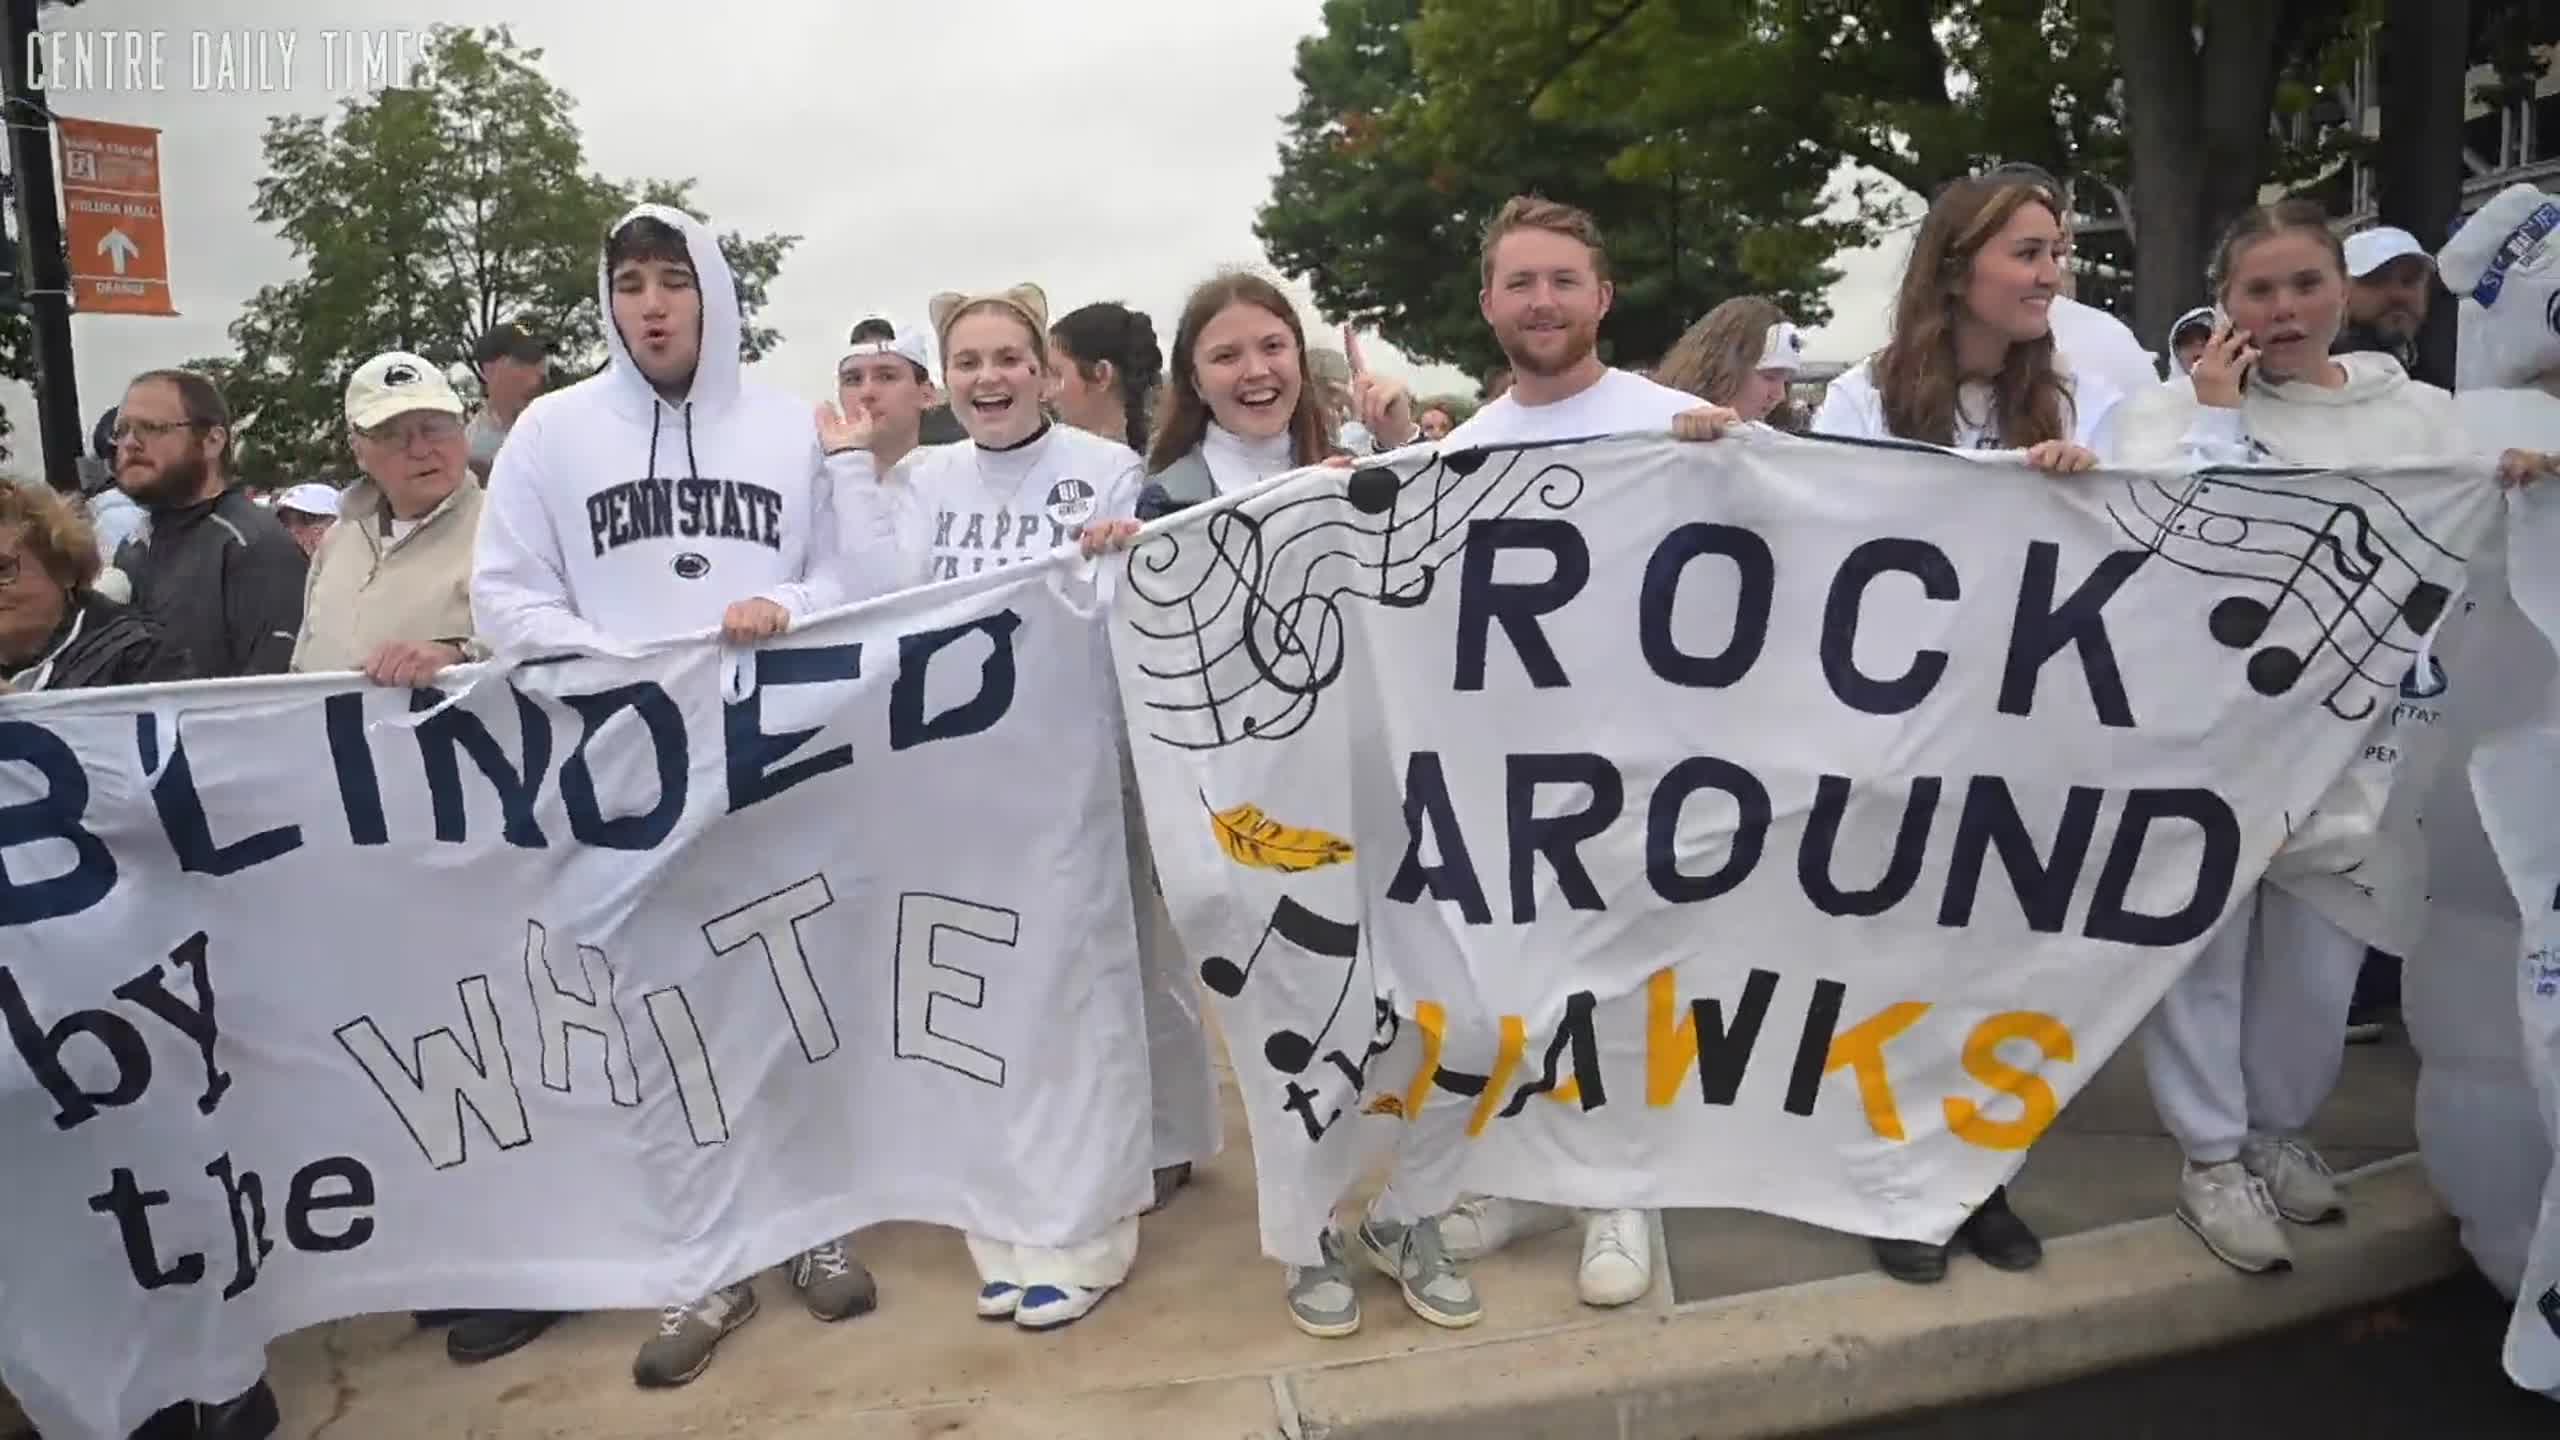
1351	351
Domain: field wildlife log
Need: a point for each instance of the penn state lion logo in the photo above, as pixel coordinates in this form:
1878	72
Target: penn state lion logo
400	375
692	566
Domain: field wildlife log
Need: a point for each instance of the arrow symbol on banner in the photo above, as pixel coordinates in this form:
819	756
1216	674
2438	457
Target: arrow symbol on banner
119	249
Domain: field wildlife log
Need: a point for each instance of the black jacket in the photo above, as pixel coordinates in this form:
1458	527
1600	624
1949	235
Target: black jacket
103	643
224	580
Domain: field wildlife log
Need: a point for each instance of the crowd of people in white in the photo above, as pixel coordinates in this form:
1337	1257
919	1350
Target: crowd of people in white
672	493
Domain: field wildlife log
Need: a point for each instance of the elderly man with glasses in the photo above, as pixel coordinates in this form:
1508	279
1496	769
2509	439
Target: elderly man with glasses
390	588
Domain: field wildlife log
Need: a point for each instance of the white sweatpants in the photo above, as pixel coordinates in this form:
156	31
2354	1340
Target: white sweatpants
1181	1078
2250	1039
1095	1264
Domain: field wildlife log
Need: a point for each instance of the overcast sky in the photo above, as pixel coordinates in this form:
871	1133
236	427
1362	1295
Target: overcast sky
1135	139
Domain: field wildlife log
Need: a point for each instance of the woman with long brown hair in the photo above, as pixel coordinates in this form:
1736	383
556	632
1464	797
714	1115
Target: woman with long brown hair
1245	403
1971	363
1742	355
1971	366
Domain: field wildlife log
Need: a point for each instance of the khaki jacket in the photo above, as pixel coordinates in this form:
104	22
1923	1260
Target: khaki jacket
367	590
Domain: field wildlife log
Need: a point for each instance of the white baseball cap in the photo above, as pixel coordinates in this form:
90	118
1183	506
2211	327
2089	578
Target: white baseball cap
904	340
2370	250
394	383
310	499
1783	349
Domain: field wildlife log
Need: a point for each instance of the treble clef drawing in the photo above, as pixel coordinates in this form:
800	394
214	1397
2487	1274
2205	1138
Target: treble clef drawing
2366	602
1272	578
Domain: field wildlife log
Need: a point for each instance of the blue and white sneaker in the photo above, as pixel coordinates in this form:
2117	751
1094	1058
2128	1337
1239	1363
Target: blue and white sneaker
1046	1307
998	1300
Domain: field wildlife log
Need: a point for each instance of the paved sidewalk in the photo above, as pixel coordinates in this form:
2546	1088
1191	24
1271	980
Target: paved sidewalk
1766	1327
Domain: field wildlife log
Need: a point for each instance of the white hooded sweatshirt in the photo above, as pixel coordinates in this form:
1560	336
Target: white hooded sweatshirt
2361	868
617	517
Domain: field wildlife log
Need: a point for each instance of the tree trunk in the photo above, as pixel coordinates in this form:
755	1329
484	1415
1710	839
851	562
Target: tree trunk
2197	123
2419	162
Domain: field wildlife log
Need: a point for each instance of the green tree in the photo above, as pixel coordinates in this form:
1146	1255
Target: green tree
1750	105
1391	166
420	218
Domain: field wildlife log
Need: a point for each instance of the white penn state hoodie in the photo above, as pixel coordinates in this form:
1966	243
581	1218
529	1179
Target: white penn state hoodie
616	517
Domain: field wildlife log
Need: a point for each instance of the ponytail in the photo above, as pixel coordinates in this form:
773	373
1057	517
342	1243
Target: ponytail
1113	333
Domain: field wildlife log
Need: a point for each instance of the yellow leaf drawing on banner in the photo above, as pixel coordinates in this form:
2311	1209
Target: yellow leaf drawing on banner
1256	841
1385	1105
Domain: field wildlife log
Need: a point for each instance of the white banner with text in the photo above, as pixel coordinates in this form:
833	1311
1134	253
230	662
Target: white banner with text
1784	824
597	987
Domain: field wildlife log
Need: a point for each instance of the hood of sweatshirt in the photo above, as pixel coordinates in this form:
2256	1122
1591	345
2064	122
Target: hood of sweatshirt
2372	377
2379	414
716	373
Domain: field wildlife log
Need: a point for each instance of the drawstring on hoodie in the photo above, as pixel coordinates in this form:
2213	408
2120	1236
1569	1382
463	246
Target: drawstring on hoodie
657	413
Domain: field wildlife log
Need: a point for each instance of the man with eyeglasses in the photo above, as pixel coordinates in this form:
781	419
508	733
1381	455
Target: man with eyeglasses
390	589
214	568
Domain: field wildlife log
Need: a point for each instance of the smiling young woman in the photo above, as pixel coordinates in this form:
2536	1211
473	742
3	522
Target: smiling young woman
1971	363
1244	404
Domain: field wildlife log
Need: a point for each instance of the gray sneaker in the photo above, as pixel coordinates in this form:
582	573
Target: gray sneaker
2300	1182
1321	1300
831	1282
2231	1212
688	1335
1435	1286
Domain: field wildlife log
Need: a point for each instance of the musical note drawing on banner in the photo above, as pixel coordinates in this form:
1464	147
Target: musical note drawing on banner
2326	558
1291	1051
1379	536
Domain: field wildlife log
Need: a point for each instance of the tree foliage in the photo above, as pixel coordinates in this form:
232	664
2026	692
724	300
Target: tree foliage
1417	117
1399	150
421	217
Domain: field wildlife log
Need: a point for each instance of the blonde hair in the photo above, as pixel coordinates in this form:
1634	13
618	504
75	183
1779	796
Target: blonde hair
57	536
1916	372
1536	212
1711	358
1025	304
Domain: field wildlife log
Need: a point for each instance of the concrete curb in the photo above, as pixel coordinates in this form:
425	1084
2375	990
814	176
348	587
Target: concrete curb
1862	1347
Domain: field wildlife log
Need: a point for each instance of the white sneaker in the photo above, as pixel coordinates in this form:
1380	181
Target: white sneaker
1046	1307
2297	1179
1617	1257
1480	1226
2231	1212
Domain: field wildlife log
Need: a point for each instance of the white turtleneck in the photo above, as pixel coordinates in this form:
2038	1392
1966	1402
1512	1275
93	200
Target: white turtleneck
954	510
1236	462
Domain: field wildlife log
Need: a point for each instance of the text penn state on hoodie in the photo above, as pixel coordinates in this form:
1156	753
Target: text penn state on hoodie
615	516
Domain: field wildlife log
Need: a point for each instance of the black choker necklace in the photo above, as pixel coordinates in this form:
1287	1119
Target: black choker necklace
1031	439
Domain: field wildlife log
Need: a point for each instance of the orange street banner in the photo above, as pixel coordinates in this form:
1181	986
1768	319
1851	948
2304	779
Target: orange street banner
111	217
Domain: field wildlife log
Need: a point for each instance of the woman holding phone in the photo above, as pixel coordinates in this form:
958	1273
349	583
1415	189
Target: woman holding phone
2249	1040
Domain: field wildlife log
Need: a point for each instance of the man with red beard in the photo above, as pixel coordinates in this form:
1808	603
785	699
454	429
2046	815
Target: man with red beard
1546	287
217	571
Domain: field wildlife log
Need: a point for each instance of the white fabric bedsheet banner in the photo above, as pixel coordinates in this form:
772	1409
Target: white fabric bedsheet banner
2515	778
603	987
1781	824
